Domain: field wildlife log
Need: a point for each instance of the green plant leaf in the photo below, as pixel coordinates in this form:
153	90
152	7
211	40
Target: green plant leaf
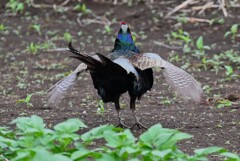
82	153
233	156
28	98
96	133
23	155
229	69
69	126
161	154
108	156
234	28
67	37
44	155
29	124
199	43
226	34
206	151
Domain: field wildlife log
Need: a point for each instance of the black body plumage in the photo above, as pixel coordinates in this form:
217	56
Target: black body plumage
111	80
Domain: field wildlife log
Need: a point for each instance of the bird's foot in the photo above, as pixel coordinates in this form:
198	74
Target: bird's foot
122	125
139	125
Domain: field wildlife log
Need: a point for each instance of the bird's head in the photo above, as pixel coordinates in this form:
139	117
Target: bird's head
124	30
124	27
124	40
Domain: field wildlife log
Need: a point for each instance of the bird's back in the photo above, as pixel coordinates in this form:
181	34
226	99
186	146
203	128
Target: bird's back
111	80
144	79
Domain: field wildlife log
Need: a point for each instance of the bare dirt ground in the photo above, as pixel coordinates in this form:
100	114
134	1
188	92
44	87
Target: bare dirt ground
24	72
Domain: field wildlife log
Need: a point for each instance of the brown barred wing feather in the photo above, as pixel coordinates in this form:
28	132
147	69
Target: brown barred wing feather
182	82
61	88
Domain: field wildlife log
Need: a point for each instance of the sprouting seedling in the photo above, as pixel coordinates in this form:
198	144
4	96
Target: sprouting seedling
2	27
82	8
67	37
185	37
229	70
26	100
201	47
37	28
182	35
107	29
33	48
233	31
211	63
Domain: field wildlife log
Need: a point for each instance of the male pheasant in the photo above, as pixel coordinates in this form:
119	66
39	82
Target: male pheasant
125	69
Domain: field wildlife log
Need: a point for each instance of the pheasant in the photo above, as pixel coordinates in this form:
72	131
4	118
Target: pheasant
125	69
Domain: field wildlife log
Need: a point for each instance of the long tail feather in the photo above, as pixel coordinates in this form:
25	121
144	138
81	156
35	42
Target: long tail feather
103	59
91	62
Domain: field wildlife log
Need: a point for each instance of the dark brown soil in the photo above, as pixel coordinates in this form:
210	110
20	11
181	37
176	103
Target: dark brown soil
23	72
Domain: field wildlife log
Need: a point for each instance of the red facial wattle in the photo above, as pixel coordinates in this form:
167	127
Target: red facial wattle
123	23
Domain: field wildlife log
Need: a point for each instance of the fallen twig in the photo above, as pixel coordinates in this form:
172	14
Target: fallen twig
48	5
222	6
204	7
209	5
193	19
179	7
167	46
97	19
58	49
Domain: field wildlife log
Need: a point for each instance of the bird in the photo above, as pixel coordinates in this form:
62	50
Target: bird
125	69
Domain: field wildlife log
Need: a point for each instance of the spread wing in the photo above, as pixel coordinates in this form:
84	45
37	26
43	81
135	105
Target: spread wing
62	87
182	82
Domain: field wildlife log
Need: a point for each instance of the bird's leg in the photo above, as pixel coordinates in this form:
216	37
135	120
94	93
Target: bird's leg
137	122
120	120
